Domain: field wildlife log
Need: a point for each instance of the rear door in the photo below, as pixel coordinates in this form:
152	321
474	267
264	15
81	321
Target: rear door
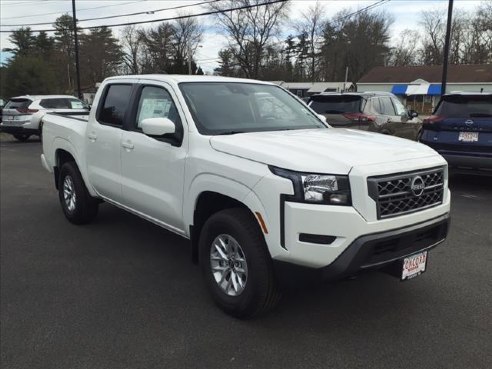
407	127
341	111
103	140
462	123
396	118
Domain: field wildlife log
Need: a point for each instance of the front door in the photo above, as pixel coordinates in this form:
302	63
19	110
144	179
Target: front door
103	140
153	167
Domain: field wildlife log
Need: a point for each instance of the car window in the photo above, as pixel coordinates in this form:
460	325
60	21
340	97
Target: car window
116	103
271	108
18	104
156	102
373	106
77	104
400	109
337	104
56	103
386	106
462	106
235	107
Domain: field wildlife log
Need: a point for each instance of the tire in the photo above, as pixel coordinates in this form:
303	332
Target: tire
77	204
40	134
22	137
259	293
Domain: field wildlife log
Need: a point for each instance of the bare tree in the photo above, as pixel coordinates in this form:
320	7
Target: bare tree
132	46
187	35
250	30
434	28
404	53
311	24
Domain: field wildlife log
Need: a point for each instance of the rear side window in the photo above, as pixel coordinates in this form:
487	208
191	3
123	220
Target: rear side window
336	104
115	105
18	104
58	103
387	107
465	106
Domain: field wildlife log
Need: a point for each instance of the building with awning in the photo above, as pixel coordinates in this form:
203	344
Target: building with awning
420	86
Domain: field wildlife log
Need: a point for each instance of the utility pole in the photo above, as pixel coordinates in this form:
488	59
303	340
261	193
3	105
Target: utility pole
189	58
446	49
346	78
77	67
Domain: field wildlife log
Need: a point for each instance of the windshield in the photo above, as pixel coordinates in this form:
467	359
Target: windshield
465	106
336	104
231	107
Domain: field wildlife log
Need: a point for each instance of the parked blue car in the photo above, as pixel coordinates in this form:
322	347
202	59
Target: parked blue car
461	130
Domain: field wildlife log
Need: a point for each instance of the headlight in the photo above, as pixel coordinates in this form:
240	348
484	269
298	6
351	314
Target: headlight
317	188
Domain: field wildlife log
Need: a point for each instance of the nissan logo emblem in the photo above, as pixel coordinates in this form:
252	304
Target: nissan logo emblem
469	122
417	186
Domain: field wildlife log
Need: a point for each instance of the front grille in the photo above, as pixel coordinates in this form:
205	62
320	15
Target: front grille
406	192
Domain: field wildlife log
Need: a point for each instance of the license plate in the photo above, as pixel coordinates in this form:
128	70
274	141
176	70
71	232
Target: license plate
468	136
414	265
11	117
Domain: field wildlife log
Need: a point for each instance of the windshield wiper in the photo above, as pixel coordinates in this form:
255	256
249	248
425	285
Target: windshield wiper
229	133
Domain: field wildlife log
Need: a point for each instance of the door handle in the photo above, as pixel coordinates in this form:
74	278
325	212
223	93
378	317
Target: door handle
128	145
92	137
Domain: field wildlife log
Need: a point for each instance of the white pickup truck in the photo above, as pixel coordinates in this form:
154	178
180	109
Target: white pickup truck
259	183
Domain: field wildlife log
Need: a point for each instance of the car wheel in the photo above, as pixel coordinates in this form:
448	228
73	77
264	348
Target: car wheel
22	137
236	264
78	205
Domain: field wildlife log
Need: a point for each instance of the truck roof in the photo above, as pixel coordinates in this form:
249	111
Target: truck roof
177	78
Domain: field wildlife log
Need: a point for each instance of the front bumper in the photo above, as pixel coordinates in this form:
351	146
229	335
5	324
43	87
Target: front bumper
373	251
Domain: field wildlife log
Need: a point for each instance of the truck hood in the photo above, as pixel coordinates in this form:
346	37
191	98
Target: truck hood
320	150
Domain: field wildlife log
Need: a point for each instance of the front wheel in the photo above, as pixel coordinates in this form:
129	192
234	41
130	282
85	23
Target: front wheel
236	265
78	205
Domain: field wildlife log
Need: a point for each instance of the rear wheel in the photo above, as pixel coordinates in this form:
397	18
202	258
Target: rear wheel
236	265
22	137
78	205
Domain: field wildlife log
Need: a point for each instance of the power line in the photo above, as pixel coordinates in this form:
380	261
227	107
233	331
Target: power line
164	19
80	10
115	16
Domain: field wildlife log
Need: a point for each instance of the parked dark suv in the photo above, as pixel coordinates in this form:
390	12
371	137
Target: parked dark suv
380	112
461	130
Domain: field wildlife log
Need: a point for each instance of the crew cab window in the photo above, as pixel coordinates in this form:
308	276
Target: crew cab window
386	106
116	102
155	102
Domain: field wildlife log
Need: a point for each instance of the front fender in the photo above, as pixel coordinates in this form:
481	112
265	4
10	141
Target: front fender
208	182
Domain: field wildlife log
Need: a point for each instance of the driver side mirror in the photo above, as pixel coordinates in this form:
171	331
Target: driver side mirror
157	126
413	114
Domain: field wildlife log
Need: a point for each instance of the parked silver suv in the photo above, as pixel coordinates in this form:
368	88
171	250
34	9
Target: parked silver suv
22	115
380	112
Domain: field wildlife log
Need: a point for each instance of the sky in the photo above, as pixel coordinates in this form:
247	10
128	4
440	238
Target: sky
406	15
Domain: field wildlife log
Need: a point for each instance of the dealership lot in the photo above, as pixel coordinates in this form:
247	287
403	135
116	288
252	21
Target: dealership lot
122	293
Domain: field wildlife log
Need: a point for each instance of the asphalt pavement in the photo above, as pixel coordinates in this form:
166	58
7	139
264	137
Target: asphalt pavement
123	293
